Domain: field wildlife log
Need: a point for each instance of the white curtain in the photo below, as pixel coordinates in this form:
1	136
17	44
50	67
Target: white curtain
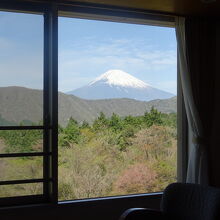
197	171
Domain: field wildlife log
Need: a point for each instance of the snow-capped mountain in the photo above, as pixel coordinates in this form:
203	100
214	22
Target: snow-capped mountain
119	84
120	78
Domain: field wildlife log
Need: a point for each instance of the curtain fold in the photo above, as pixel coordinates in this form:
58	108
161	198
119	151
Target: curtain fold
196	57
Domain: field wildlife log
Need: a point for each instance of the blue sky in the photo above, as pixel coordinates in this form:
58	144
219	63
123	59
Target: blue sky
87	49
21	46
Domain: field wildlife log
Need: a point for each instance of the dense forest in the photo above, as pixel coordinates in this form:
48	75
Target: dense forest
111	156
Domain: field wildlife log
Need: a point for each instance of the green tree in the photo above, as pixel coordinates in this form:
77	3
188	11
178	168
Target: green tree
170	119
115	123
133	121
85	124
154	117
101	122
20	140
70	134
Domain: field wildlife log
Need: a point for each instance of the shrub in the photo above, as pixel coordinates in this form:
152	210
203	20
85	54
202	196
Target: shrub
71	134
115	123
137	178
101	122
153	117
20	140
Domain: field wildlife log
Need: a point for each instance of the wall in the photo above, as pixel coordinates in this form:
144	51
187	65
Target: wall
103	209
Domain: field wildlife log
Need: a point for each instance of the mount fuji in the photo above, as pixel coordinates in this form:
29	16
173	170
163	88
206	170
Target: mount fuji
119	84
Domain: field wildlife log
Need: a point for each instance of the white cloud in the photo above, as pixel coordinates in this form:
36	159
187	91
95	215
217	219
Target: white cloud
120	54
91	58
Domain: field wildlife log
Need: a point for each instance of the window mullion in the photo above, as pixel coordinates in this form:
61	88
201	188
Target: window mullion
51	102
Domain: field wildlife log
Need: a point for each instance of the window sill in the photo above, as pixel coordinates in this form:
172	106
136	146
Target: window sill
124	200
111	198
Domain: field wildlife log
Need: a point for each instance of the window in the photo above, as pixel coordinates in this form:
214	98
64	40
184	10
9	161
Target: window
26	115
21	124
97	151
117	108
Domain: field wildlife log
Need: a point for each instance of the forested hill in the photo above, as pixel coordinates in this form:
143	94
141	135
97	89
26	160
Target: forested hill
22	104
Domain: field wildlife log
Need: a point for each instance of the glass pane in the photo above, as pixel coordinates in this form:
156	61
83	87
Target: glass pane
117	108
21	168
21	190
21	141
21	69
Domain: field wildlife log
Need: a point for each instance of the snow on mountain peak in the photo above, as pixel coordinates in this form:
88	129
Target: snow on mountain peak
120	78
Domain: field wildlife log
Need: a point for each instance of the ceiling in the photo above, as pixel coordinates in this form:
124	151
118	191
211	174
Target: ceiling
176	7
168	7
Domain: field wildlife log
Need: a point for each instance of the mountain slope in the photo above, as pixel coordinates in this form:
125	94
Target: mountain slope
22	104
18	104
119	84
